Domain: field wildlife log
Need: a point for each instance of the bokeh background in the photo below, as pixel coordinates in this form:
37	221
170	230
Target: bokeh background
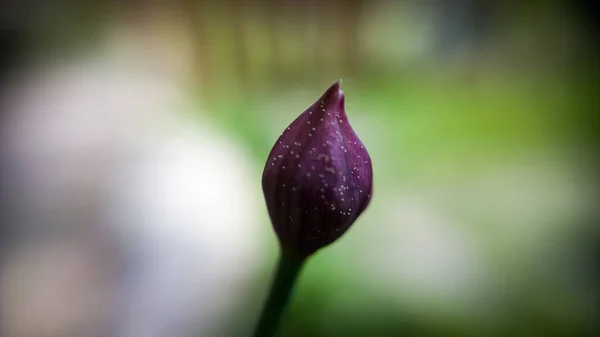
133	136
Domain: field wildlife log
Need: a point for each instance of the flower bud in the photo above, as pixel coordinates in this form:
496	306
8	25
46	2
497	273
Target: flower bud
318	177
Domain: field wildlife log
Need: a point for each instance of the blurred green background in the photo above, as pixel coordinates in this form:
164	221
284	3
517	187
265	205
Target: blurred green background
480	118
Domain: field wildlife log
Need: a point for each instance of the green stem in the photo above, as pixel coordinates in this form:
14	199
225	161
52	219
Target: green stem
287	272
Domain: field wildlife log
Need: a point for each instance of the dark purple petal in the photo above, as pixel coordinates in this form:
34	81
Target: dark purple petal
318	178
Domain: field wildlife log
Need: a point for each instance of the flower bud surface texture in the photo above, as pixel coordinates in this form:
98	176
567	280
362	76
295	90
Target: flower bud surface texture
318	178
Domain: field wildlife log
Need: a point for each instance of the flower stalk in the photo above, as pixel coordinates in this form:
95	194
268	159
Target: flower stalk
286	275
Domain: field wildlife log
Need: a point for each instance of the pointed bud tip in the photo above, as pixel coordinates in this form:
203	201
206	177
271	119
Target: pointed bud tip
334	94
337	86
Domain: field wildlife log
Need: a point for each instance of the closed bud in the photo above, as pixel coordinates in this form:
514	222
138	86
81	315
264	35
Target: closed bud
318	178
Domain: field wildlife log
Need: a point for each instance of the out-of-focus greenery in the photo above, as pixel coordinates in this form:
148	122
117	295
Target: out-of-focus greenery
437	127
424	130
517	106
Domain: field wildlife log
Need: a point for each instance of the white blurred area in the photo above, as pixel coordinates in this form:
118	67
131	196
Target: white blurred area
131	214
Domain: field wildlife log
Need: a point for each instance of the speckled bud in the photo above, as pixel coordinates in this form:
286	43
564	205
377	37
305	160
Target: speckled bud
318	178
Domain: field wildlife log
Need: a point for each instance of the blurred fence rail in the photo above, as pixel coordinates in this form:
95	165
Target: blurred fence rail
268	42
272	40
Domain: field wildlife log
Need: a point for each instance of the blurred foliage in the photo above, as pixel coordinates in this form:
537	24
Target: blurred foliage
430	122
431	113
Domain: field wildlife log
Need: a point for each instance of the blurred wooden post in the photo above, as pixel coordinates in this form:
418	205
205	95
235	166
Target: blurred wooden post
239	10
273	14
194	11
351	12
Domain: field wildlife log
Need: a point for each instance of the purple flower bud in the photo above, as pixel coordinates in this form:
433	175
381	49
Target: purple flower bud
318	178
